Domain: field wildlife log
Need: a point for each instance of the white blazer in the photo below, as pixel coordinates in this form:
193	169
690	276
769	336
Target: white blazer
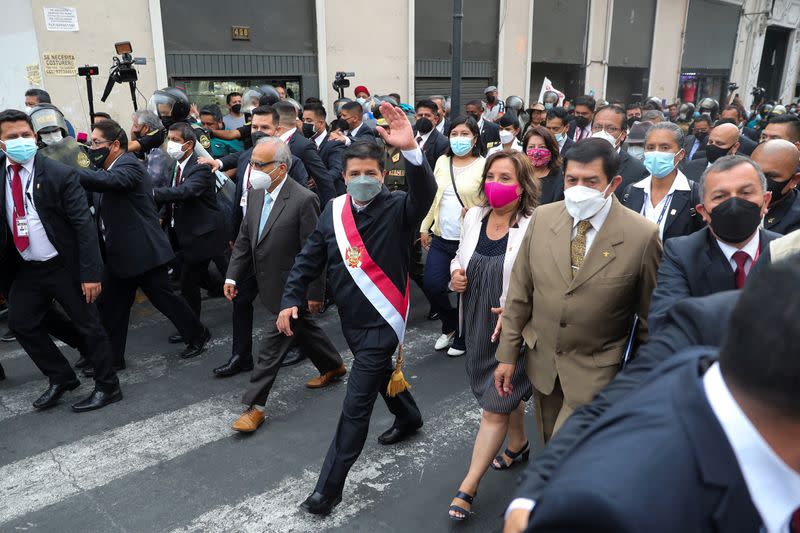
471	232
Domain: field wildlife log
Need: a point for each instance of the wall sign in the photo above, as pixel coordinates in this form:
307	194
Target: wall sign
61	18
59	64
240	33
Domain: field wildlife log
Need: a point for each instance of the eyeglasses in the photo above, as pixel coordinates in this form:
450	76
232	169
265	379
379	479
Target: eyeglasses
258	165
98	142
612	130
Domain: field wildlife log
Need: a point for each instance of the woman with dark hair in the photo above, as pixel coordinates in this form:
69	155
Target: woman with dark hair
543	152
509	131
458	176
481	271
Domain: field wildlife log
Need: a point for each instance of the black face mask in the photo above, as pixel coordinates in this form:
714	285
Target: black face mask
633	120
236	108
308	130
714	152
581	122
98	156
735	219
702	137
776	188
257	135
475	117
424	126
491	99
167	122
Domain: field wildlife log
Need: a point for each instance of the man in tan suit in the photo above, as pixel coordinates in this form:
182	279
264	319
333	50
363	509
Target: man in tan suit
586	266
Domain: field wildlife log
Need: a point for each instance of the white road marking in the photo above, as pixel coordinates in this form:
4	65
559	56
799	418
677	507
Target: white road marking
371	476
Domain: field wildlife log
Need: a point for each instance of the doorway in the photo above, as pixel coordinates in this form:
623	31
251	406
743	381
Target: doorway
770	73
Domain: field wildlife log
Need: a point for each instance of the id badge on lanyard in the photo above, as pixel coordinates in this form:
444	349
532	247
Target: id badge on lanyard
245	189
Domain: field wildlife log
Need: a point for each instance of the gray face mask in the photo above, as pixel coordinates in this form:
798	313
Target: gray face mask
363	188
636	152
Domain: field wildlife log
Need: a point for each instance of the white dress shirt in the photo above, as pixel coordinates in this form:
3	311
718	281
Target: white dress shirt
424	138
39	246
516	146
287	134
773	486
751	249
596	221
440	126
352	134
582	133
319	139
274	194
658	213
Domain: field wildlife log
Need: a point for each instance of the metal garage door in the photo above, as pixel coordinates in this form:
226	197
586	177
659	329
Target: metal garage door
471	88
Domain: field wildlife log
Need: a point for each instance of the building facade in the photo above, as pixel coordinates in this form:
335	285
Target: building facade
615	49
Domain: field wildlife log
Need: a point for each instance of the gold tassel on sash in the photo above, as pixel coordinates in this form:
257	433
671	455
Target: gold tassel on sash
397	383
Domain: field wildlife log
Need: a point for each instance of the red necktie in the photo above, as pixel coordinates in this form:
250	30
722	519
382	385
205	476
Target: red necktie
21	243
178	176
740	258
794	523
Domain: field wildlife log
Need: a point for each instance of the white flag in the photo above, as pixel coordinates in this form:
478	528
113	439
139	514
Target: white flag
547	85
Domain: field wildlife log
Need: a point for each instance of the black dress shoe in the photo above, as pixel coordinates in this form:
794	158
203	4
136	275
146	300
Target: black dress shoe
433	315
51	396
396	434
8	336
2	373
292	358
97	400
175	338
320	504
82	363
195	349
235	364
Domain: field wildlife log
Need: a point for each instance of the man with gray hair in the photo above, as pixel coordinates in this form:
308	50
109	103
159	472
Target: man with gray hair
441	103
146	141
718	257
281	214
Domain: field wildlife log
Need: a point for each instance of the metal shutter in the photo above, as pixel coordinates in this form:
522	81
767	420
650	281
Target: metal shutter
471	88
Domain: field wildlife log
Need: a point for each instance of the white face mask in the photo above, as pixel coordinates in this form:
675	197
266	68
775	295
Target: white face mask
506	136
175	150
584	202
28	109
603	134
52	138
260	179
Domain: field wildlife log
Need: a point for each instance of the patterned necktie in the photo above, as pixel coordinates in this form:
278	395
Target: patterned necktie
21	242
740	258
578	246
264	214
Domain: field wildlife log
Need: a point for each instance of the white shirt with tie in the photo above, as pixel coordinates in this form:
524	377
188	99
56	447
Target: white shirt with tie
39	246
751	249
319	139
422	138
351	135
774	487
596	222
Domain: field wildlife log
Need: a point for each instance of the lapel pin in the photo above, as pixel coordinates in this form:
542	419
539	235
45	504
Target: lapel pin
673	212
38	185
606	253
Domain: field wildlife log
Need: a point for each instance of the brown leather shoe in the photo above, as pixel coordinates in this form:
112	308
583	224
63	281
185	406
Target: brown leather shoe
249	421
325	379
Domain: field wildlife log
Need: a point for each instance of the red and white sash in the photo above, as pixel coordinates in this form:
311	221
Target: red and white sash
367	275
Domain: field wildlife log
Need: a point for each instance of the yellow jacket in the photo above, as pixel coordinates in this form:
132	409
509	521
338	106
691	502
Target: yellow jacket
468	186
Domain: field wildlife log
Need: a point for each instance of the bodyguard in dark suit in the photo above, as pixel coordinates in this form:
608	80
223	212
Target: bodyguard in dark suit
49	251
723	140
778	160
695	144
433	143
137	250
191	214
387	223
718	428
489	131
733	114
719	257
331	152
353	114
273	232
694	168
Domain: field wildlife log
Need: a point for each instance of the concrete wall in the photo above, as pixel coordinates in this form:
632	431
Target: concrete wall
101	24
514	48
374	47
598	43
18	43
665	67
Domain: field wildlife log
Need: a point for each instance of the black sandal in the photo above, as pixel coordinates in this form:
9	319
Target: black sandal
467	498
516	457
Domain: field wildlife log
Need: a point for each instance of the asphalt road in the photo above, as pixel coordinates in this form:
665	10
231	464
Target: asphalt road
165	458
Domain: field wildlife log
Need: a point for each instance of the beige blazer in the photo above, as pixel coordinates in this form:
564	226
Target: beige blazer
576	329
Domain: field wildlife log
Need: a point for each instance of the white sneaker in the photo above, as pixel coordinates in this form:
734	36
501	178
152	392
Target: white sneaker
455	352
443	341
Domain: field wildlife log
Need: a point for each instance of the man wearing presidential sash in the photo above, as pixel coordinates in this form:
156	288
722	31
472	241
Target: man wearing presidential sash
365	238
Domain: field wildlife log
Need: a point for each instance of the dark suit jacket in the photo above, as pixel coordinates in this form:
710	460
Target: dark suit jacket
681	219
663	434
364	133
691	322
569	143
240	162
784	217
332	154
134	241
746	145
694	168
292	218
631	170
490	135
552	187
752	134
199	223
61	204
693	265
306	151
436	145
388	226
688	142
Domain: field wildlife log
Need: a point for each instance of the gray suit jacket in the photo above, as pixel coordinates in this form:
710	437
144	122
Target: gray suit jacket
292	218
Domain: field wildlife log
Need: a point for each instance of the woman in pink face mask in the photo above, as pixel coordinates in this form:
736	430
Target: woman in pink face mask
542	150
480	272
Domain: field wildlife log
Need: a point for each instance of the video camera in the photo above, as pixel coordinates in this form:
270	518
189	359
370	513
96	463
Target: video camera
758	93
122	70
340	82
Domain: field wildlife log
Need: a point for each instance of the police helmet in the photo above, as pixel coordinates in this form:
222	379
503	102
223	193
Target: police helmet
778	110
655	101
170	104
338	104
375	102
269	95
550	97
708	105
47	118
515	103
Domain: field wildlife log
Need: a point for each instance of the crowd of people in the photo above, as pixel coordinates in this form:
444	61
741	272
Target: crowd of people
570	250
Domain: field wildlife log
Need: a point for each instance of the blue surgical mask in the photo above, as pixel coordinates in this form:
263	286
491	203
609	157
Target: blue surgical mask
560	137
21	149
659	164
548	106
461	145
363	188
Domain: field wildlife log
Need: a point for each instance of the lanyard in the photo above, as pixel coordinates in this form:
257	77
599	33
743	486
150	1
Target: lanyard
667	200
26	190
